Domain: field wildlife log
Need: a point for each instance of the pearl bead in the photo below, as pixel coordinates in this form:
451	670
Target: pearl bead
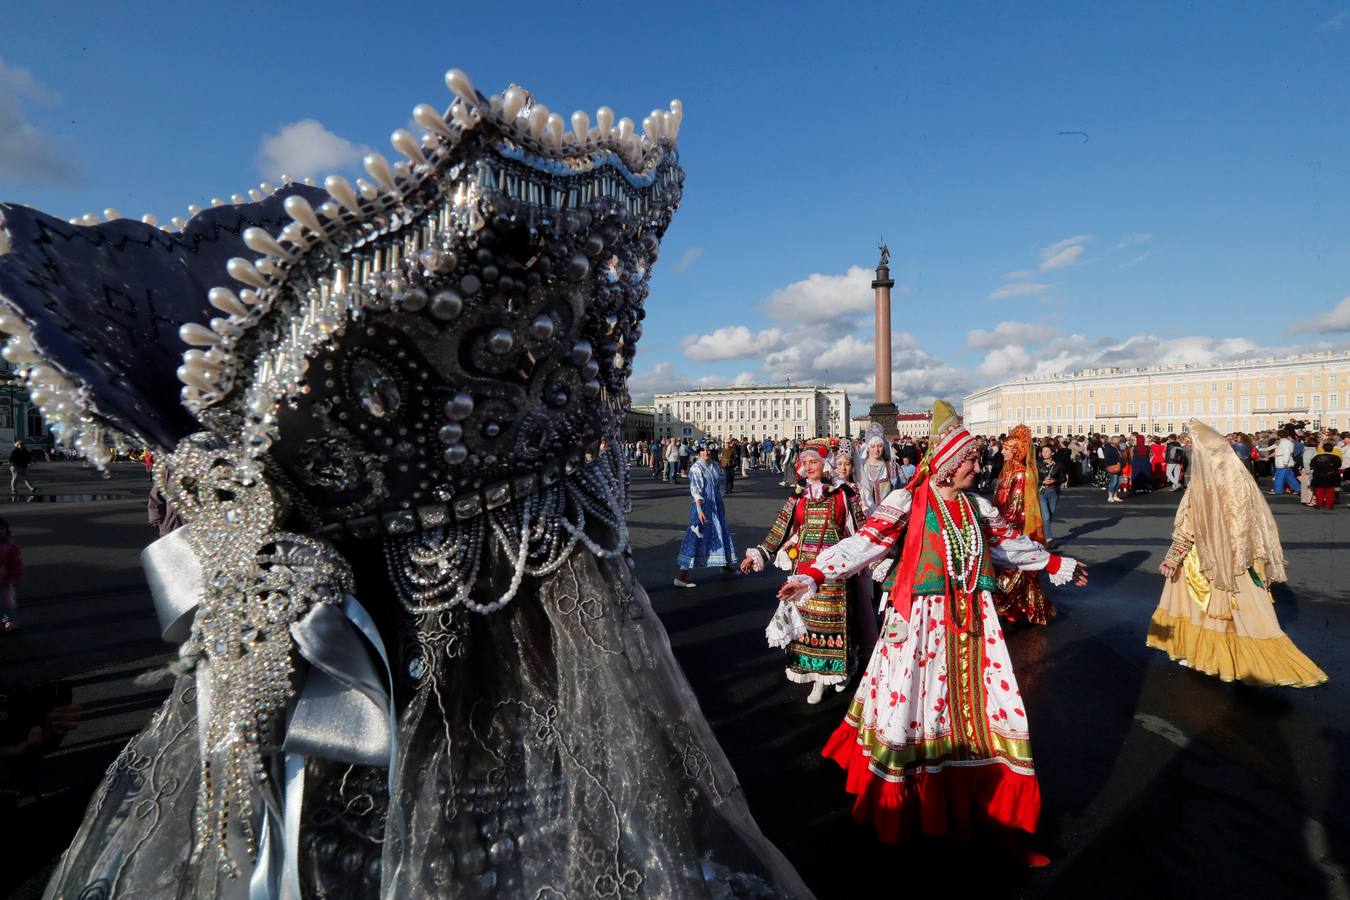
446	305
459	407
501	341
541	329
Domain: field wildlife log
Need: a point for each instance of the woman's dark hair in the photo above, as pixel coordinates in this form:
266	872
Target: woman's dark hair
1328	446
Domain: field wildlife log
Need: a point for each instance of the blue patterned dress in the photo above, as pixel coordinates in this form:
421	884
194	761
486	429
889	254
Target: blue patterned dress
709	544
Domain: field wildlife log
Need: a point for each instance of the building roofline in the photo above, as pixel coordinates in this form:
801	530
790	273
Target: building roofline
1169	370
752	387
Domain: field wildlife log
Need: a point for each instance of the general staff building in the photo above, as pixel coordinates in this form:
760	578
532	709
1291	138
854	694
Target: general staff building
1245	396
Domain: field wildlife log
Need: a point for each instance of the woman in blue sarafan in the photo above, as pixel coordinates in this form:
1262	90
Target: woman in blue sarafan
707	542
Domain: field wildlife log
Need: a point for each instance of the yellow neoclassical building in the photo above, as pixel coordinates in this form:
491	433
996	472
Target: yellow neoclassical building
1245	396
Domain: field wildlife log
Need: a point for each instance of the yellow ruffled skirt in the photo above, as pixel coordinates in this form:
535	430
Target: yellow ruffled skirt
1236	636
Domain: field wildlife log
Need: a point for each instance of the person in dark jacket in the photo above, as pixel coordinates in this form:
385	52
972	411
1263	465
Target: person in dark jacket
1326	476
19	460
1052	478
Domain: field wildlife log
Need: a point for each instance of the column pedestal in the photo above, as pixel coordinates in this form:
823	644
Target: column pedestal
883	411
887	416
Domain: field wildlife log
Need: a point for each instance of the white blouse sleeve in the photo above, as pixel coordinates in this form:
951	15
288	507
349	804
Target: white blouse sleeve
696	476
1011	549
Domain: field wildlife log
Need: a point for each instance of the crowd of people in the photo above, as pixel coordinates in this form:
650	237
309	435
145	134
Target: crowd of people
1297	458
955	535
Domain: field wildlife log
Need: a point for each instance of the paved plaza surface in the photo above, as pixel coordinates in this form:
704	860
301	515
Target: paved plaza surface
1157	781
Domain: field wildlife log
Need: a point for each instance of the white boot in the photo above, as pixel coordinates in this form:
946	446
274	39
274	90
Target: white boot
817	692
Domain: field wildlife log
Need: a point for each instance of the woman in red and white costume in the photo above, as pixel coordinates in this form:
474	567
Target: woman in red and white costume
935	741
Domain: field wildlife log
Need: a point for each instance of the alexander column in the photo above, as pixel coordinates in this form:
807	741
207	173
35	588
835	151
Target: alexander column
883	410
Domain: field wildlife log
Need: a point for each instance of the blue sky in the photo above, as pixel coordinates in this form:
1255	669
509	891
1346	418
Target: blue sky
1203	218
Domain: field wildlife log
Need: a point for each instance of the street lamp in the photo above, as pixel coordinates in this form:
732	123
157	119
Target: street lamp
12	384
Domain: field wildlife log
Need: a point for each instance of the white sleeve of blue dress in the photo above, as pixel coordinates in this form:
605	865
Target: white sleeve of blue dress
1011	549
696	483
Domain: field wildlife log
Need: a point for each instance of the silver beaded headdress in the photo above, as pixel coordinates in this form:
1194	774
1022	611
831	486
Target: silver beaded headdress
436	359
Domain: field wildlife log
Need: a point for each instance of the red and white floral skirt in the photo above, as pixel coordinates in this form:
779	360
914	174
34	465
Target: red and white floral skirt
935	740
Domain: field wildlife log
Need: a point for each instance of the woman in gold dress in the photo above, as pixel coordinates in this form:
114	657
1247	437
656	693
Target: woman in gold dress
1216	614
1021	596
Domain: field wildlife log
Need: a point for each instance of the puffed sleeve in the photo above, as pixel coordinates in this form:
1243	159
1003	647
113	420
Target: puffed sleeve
1011	549
696	482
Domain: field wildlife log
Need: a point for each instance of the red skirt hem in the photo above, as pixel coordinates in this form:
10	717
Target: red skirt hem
944	802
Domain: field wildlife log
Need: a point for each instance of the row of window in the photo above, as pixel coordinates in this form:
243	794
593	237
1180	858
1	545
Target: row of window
1182	407
798	431
1173	389
1125	427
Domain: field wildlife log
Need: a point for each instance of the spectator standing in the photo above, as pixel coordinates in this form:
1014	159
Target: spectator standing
1283	454
1141	469
789	461
1063	456
11	573
1077	453
1051	472
683	451
1324	473
1157	454
1175	456
730	463
1112	463
672	457
1344	449
1243	448
19	461
1263	462
1306	448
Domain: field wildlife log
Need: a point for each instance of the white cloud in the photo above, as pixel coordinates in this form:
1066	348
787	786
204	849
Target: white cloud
1336	22
29	153
1020	289
847	353
1134	240
1020	273
1004	362
1075	352
1062	254
732	342
1335	319
819	297
690	257
1134	262
1008	334
659	379
306	149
